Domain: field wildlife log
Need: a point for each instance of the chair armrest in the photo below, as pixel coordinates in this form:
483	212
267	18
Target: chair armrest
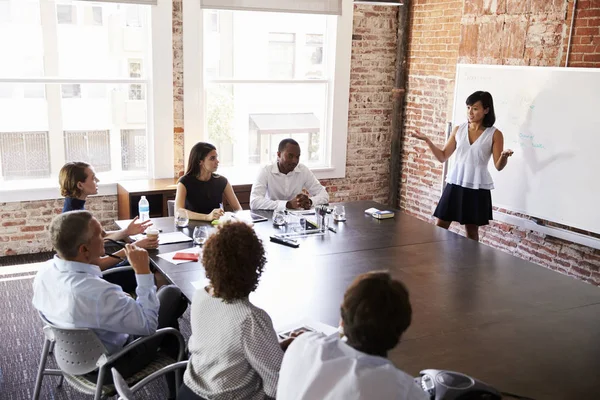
105	359
117	269
159	373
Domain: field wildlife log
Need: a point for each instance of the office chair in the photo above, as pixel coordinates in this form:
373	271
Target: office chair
79	351
127	393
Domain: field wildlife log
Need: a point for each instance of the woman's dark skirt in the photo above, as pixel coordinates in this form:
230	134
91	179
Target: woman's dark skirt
465	206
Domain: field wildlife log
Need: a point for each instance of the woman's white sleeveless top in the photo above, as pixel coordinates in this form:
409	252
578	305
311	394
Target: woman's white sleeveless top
470	167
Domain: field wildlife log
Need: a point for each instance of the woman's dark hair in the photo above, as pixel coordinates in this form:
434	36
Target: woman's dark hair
69	176
197	154
375	312
234	259
487	102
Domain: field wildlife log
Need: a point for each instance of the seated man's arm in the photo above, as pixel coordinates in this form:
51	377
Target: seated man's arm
116	311
258	195
318	193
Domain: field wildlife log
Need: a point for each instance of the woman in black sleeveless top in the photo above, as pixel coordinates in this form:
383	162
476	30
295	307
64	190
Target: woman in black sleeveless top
200	191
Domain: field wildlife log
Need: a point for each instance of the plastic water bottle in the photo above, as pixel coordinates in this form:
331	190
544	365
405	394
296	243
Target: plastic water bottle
144	209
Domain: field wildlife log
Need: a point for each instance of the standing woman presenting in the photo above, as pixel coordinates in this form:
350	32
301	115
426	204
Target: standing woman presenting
467	198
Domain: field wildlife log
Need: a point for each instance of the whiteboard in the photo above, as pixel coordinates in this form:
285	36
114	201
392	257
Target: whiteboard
550	117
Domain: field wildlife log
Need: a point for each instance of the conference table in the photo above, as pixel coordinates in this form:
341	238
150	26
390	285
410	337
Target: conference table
515	325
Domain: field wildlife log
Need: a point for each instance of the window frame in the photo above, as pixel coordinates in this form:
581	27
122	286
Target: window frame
337	121
159	108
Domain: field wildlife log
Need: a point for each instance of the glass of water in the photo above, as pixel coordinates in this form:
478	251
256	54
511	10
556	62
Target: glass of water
278	218
181	218
200	235
339	213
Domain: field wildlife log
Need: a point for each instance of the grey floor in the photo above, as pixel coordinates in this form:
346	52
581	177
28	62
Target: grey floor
22	340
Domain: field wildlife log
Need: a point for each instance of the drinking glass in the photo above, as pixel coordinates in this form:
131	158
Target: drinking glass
339	213
200	235
278	218
181	218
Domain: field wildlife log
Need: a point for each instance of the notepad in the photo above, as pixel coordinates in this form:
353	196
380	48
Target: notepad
167	238
185	256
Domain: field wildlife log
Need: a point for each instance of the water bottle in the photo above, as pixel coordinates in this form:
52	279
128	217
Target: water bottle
144	209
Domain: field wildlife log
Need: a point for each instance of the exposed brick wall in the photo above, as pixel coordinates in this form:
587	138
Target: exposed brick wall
509	32
24	225
585	44
178	86
369	119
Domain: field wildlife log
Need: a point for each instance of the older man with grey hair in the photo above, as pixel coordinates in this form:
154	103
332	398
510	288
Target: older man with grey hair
70	292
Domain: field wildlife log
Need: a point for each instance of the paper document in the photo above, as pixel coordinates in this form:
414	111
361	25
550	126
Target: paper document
167	238
169	256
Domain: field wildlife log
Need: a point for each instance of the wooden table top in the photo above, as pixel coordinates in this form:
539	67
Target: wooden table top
519	327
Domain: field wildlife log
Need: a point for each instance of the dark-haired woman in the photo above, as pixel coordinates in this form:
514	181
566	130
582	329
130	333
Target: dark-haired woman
200	191
466	198
234	351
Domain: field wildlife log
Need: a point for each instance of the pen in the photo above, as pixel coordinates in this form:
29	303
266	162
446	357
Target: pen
332	229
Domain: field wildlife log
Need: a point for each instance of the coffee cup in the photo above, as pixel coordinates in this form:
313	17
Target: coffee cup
152	233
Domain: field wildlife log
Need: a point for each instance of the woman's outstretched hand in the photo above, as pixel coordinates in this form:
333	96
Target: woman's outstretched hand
506	153
418	135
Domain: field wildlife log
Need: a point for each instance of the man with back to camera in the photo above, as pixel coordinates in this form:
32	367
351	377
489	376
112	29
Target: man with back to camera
375	313
279	185
70	292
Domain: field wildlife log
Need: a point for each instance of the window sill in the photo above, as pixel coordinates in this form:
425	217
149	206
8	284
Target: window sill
44	190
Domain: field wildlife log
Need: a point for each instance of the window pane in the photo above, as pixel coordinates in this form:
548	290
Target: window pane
264	45
92	147
246	121
24	155
133	147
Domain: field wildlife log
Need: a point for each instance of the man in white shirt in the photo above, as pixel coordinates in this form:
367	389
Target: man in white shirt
375	312
279	185
70	292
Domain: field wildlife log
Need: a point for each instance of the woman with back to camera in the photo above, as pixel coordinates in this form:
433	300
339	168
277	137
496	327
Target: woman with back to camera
200	191
234	350
467	198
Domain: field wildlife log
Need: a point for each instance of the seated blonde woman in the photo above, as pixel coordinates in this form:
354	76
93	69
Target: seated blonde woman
78	181
200	191
234	351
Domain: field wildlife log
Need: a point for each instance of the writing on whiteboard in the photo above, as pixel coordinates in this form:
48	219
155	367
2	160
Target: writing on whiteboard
527	140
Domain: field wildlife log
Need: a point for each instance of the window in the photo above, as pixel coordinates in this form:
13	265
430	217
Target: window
97	16
282	52
133	145
313	56
71	91
65	90
133	18
92	147
4	11
266	76
214	21
24	155
136	90
65	14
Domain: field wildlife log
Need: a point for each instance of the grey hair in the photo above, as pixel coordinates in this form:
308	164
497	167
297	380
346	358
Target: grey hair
69	231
